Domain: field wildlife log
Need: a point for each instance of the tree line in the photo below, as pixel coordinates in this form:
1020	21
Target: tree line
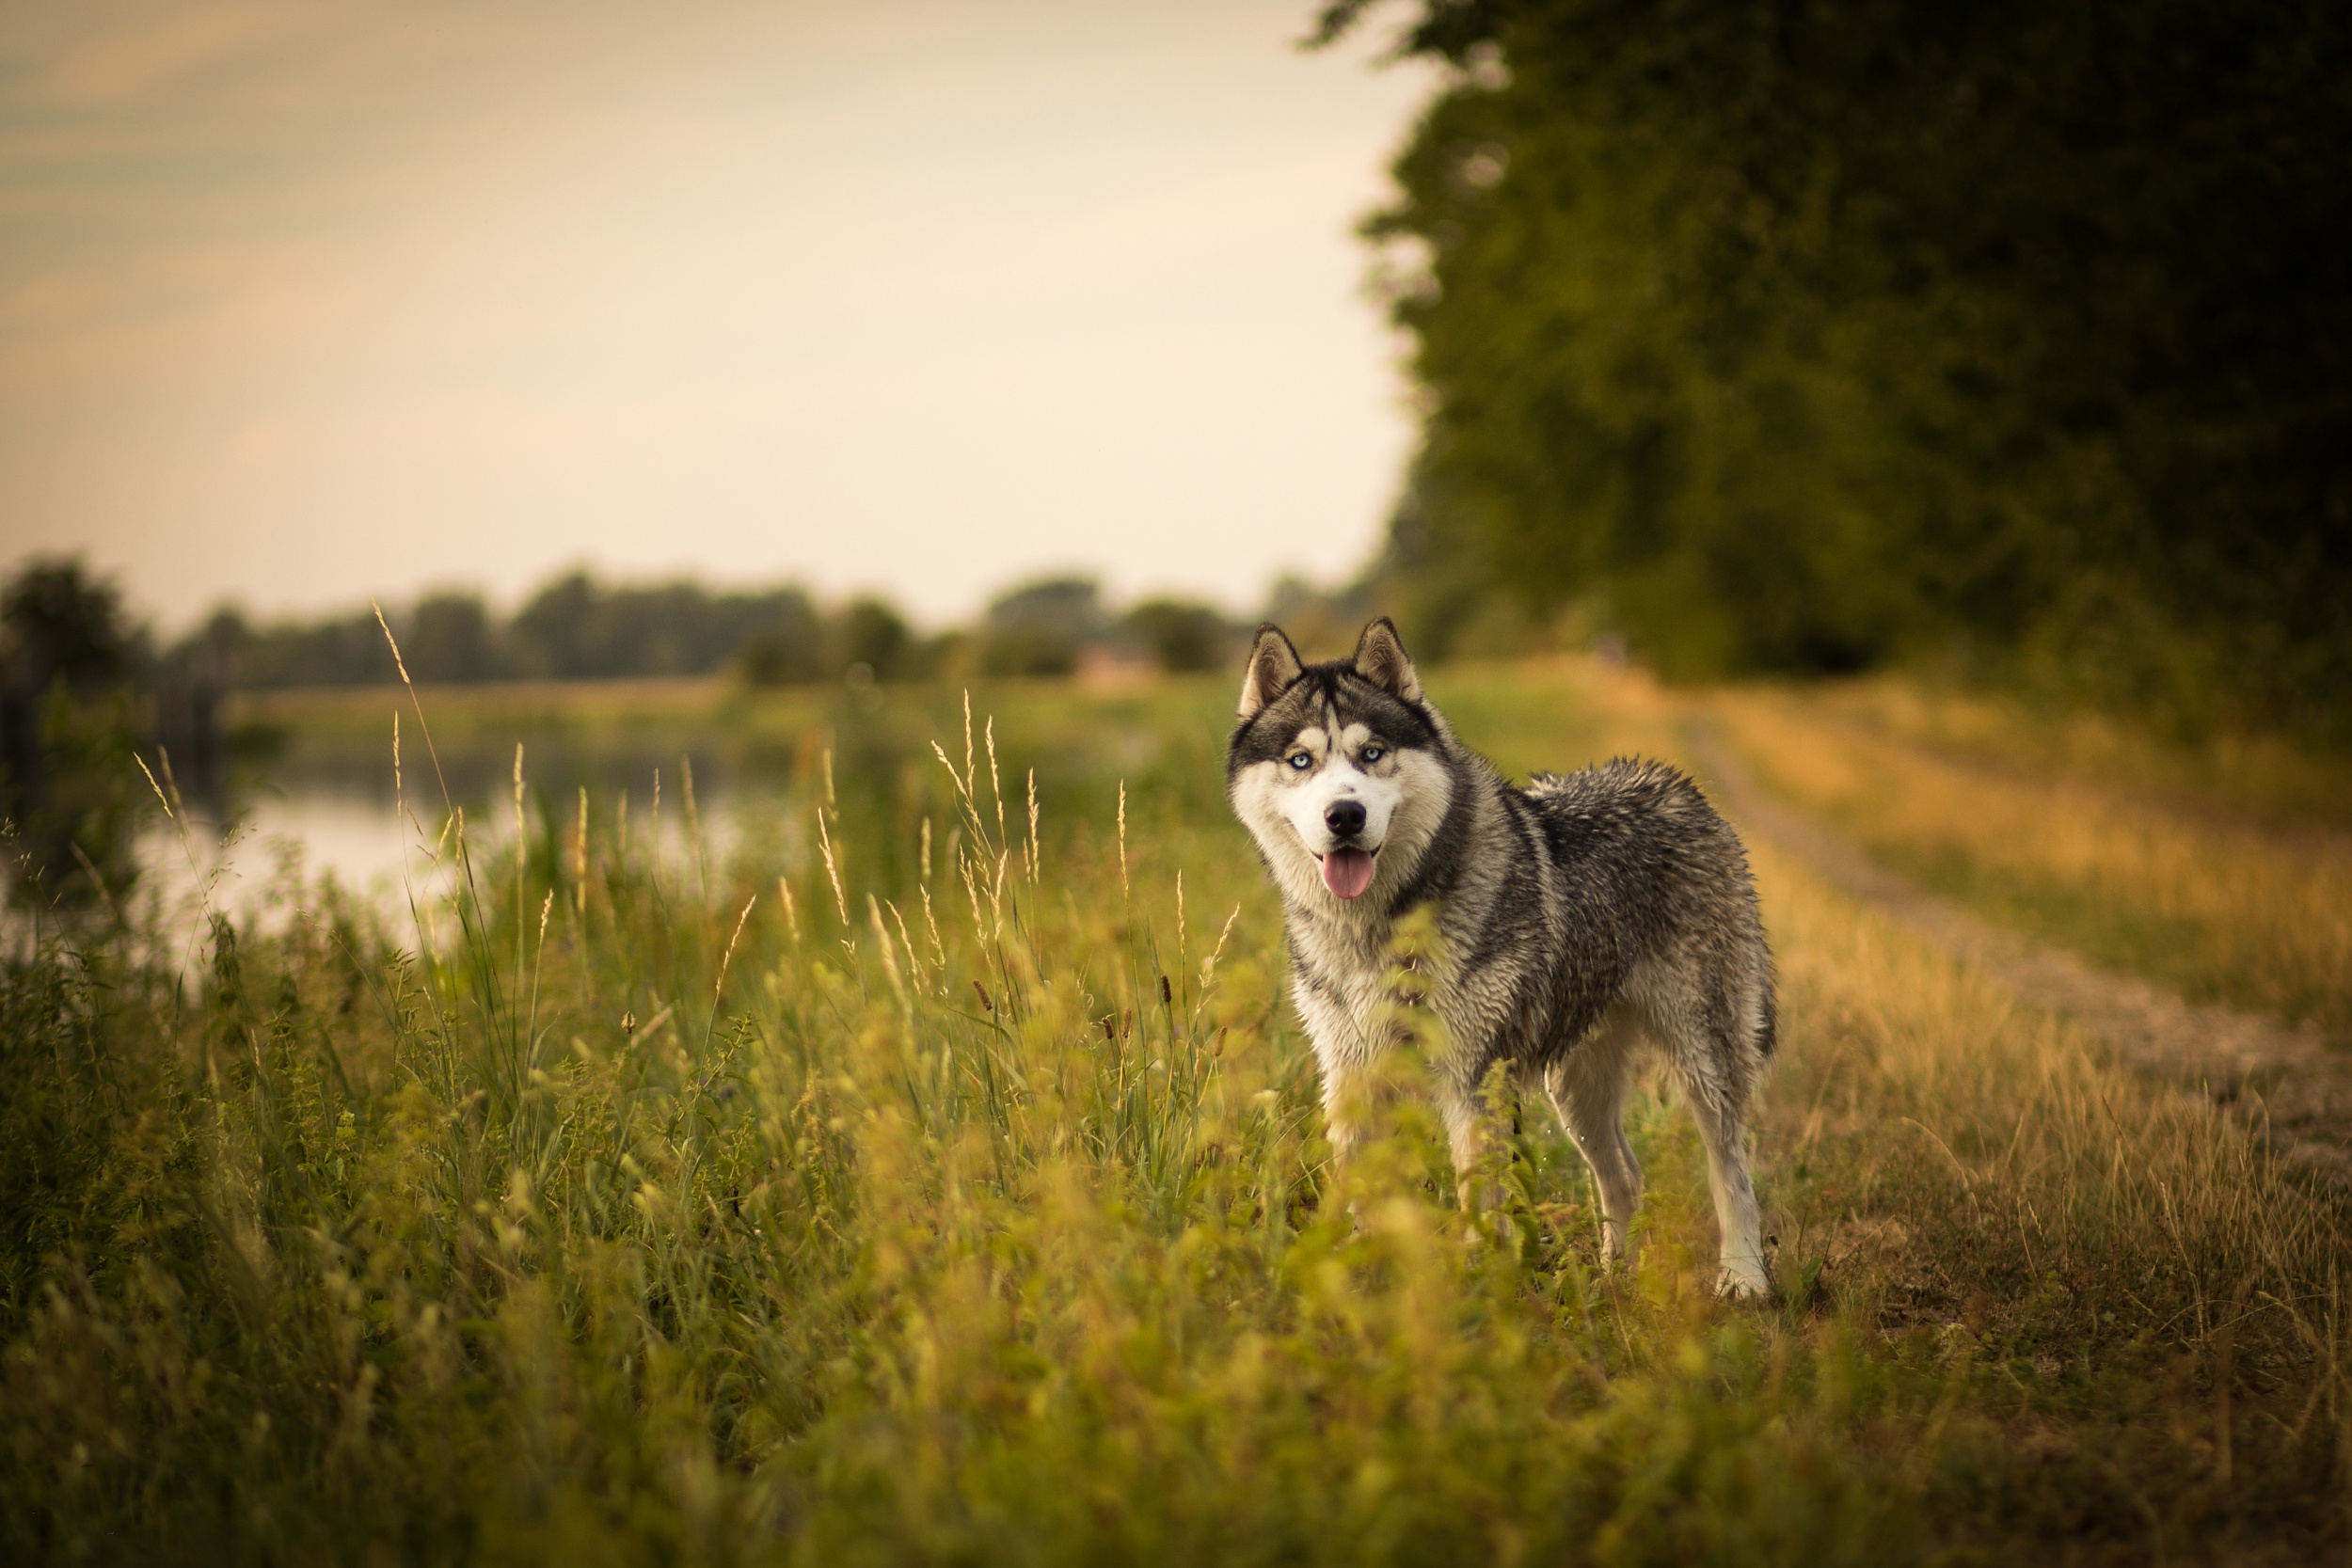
1814	335
577	626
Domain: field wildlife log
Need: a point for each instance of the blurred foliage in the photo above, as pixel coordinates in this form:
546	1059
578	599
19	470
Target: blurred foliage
1179	635
71	720
1038	628
455	639
577	627
337	650
1325	622
869	634
789	651
864	641
1052	626
63	624
1812	336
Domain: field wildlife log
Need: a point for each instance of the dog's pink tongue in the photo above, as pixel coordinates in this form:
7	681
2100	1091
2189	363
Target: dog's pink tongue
1347	872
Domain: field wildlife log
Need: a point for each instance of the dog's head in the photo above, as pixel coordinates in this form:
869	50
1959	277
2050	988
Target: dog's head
1338	770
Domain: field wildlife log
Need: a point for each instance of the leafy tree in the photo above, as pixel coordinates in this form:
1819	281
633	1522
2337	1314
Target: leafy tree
339	650
1808	335
71	722
558	626
790	653
1179	635
577	628
1038	628
64	625
452	637
868	632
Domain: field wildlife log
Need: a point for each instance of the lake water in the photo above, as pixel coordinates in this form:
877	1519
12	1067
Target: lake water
314	795
305	824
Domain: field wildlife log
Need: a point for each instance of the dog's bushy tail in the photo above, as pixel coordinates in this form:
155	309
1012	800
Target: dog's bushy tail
1755	991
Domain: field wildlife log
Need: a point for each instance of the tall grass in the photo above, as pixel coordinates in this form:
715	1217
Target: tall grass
933	1179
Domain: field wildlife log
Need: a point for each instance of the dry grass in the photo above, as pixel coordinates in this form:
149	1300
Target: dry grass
1907	1072
2196	897
2261	778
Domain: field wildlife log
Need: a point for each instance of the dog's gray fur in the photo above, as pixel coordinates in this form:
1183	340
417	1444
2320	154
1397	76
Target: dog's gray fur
1575	916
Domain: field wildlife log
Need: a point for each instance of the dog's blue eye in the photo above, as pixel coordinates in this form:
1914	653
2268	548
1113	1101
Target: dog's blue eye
1301	761
1374	754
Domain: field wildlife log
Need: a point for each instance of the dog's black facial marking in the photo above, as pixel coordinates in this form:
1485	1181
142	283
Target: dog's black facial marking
1398	722
1321	693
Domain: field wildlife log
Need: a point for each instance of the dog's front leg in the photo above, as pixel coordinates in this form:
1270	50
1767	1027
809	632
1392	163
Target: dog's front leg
1469	1137
1347	1102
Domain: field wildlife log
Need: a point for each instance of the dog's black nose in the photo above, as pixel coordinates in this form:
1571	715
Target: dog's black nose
1345	818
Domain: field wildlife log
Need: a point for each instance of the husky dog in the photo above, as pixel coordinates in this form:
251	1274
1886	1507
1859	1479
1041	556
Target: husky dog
1574	916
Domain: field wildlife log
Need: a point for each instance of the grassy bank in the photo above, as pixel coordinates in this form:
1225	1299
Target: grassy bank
939	1178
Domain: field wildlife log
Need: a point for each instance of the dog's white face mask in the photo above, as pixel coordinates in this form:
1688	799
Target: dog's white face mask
1338	809
1338	795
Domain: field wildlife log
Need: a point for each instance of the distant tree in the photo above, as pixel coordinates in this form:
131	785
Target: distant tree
1179	635
344	650
63	624
71	721
1038	628
647	630
789	651
574	627
188	686
870	632
950	654
577	628
725	622
216	651
452	637
558	629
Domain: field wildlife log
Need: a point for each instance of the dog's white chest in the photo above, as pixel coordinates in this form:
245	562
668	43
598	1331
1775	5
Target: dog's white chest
1348	998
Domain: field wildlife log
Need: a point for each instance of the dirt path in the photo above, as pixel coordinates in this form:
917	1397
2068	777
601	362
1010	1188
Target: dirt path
2262	1067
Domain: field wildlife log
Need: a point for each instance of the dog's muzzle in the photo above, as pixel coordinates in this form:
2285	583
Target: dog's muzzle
1346	870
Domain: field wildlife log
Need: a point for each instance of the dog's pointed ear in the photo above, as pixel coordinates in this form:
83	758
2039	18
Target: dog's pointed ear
1273	665
1380	659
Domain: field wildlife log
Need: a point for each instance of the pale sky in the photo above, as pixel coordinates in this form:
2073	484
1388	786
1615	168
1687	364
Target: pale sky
301	302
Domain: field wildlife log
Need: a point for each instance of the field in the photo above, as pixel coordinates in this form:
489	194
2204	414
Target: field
935	1176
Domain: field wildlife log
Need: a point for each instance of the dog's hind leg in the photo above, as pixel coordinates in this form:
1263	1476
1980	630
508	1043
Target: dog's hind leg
1587	1089
1715	1070
1723	1130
